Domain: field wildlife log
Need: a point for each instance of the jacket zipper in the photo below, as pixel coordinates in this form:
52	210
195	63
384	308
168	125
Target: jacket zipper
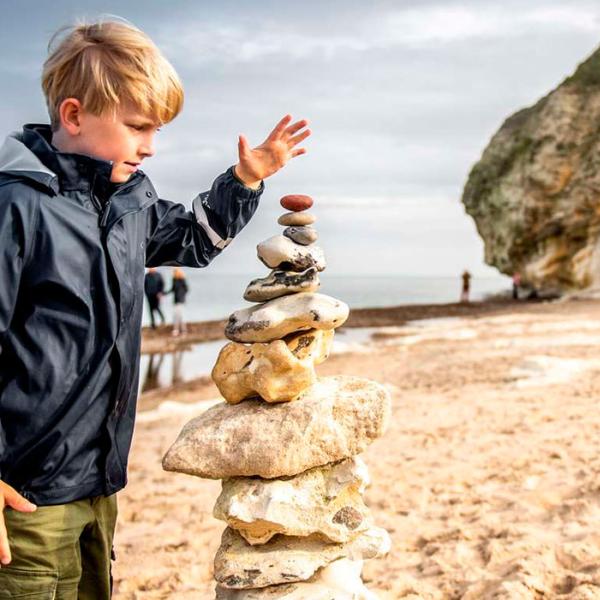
104	215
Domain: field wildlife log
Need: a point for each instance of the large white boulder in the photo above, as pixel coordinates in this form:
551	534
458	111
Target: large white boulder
336	418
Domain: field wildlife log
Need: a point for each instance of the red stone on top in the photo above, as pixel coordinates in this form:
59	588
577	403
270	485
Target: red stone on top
296	202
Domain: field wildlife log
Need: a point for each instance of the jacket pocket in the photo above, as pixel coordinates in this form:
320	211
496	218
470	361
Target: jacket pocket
27	584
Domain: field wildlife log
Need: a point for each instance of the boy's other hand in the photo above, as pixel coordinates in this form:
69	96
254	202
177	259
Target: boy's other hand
263	161
10	497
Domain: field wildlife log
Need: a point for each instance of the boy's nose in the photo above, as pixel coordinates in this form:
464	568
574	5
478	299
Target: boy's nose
147	150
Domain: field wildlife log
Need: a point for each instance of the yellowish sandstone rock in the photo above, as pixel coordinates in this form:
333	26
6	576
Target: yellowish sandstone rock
277	371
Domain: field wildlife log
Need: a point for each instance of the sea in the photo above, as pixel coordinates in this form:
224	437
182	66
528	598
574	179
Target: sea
215	296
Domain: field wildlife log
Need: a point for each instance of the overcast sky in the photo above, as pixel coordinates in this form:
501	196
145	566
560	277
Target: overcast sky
402	98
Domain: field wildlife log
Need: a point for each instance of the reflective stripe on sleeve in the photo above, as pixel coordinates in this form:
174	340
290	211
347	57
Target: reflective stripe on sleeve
202	219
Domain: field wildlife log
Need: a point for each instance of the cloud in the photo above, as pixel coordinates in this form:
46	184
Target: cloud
253	41
452	23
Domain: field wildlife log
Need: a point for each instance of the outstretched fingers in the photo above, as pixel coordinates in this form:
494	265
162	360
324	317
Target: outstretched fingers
297	152
280	127
295	127
300	137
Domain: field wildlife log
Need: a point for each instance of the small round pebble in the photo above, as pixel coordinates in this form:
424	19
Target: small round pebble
296	218
303	234
296	202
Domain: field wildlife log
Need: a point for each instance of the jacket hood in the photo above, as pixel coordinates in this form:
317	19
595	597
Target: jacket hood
18	160
29	154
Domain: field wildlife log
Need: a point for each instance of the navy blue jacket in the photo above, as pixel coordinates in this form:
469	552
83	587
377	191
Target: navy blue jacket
72	256
179	289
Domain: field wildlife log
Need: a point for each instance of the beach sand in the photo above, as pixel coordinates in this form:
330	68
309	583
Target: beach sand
488	478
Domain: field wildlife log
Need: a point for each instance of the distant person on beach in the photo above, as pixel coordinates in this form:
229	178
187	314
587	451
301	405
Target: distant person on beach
516	281
179	289
79	222
154	286
466	286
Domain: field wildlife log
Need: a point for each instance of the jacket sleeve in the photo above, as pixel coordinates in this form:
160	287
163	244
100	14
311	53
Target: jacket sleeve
16	232
16	228
176	236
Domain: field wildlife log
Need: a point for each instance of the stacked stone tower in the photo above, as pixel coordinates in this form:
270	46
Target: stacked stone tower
285	443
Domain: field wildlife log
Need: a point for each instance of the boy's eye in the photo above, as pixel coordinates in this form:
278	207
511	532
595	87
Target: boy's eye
140	127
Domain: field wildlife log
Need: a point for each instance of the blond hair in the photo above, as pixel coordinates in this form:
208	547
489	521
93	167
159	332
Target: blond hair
108	62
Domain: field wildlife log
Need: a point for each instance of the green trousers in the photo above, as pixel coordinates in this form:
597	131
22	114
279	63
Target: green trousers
60	552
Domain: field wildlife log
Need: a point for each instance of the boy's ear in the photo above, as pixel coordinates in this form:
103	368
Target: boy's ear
70	112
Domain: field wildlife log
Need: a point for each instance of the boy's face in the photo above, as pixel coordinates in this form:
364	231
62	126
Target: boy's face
125	138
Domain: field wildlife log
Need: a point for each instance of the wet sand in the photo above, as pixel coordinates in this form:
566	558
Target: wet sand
487	479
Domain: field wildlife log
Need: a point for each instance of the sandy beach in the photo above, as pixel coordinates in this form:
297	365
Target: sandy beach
487	478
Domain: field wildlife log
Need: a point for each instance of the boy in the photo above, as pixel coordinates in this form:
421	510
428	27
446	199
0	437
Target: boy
79	221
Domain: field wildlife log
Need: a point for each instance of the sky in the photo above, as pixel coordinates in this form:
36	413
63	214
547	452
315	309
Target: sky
402	98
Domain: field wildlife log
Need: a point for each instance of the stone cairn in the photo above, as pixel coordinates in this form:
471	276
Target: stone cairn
285	443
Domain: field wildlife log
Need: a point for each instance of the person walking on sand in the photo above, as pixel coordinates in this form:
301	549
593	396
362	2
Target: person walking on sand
154	286
179	289
79	223
466	286
516	281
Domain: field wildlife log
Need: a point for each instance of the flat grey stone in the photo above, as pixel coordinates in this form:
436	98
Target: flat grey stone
277	318
282	283
281	253
285	559
303	234
340	580
296	218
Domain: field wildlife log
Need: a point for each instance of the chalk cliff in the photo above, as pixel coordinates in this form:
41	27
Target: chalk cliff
535	192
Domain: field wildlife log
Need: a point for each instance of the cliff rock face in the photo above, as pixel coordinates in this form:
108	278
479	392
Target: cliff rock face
535	193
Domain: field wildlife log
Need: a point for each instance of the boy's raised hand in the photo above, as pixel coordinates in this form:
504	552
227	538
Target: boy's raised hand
10	497
256	164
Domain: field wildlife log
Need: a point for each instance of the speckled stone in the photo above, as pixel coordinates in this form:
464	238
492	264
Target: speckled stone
279	317
282	283
303	234
296	218
296	202
279	252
